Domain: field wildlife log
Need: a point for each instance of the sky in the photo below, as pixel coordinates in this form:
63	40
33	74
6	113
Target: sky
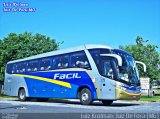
78	22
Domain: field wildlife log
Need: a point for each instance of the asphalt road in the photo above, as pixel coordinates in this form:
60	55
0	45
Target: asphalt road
73	108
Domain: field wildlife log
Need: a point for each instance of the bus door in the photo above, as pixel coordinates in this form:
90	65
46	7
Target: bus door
107	82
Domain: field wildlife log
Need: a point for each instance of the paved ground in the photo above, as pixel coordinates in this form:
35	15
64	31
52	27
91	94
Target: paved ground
70	107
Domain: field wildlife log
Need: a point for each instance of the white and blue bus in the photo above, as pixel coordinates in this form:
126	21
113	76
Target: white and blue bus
88	73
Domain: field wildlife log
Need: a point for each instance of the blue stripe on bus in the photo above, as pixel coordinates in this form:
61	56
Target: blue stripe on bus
38	88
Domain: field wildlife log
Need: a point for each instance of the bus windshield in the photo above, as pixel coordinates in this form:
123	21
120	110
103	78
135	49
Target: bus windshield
128	71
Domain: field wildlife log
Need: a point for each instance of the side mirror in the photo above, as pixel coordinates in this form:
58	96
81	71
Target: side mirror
119	59
144	65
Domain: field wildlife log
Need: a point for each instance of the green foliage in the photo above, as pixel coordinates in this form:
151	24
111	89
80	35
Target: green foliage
16	46
150	99
146	53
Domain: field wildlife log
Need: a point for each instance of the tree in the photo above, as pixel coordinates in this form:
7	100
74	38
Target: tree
146	53
16	46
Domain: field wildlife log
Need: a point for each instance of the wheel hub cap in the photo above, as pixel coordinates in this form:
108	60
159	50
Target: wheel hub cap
22	95
85	97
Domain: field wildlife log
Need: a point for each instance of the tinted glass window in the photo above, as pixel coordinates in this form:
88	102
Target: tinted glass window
61	61
79	60
21	67
54	64
96	54
106	67
45	64
32	66
14	68
100	51
9	68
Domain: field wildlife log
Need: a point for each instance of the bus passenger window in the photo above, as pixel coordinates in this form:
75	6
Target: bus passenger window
33	66
57	62
18	68
79	60
21	67
45	64
62	62
11	68
59	65
53	63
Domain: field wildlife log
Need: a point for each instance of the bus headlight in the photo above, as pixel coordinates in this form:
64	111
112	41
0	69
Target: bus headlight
122	88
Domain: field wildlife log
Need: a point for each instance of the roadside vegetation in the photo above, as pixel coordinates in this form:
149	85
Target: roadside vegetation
17	46
147	53
5	96
150	98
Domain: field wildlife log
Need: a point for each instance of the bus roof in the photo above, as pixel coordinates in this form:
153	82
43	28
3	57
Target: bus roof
58	52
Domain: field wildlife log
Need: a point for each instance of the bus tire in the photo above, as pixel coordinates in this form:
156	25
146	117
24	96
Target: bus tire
22	95
107	102
85	96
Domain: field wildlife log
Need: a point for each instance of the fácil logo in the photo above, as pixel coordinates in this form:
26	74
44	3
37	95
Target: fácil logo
67	76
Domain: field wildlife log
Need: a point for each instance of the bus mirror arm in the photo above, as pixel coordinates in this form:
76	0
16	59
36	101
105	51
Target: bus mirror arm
117	57
144	65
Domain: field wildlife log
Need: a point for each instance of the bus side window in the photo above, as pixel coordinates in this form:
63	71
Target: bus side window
21	67
10	69
54	63
45	64
79	60
62	62
18	68
33	66
24	67
13	69
57	61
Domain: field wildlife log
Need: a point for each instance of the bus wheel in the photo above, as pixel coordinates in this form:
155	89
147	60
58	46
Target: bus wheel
22	95
107	102
85	96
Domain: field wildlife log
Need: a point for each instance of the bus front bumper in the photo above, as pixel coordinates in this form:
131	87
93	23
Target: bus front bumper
126	95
